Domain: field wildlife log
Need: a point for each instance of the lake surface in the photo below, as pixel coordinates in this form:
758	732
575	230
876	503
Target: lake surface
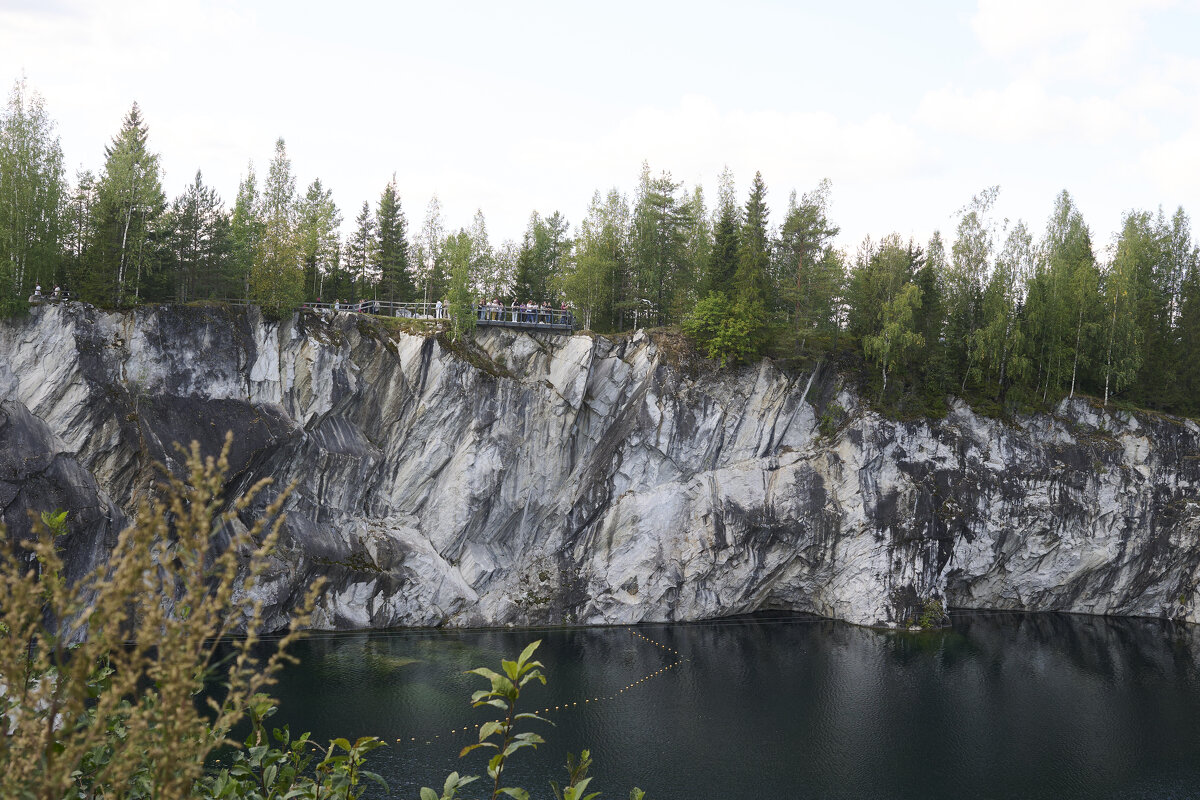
998	706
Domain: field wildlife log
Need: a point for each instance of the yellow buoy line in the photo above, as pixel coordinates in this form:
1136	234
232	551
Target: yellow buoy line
575	703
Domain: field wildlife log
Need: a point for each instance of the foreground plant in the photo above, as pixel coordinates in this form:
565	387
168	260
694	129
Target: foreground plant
99	679
501	736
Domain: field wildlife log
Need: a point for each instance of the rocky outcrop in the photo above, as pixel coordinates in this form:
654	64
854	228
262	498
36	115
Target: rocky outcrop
537	478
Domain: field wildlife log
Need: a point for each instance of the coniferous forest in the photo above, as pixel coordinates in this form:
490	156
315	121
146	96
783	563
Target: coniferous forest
1007	315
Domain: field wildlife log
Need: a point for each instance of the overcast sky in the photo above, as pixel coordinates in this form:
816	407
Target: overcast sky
909	108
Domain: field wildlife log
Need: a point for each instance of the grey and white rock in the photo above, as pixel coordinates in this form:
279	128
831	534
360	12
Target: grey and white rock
547	478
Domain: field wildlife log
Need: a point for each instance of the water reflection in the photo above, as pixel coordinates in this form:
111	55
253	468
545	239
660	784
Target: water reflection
1000	705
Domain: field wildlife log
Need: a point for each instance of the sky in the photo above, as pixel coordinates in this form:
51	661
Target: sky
909	109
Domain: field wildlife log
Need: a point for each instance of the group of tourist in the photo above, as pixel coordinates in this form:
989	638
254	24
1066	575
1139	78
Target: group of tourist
530	313
37	296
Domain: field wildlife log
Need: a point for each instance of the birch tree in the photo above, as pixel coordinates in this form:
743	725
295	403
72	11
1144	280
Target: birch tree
32	195
318	222
277	279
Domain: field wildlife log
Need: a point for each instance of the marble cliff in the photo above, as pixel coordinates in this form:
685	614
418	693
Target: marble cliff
536	478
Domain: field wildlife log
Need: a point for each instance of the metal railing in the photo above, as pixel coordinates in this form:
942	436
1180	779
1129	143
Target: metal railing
529	316
497	314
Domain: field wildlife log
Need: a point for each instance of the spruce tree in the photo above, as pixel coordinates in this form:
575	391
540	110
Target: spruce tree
391	247
198	239
245	232
129	203
723	259
360	257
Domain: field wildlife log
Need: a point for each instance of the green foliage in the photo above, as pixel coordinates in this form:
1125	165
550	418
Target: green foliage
501	738
1020	325
933	615
32	195
289	768
101	676
128	207
831	420
729	333
460	303
391	246
276	276
317	234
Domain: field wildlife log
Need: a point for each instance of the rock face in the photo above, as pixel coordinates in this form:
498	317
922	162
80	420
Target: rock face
532	479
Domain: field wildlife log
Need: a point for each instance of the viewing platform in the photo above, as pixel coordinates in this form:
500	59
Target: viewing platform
538	318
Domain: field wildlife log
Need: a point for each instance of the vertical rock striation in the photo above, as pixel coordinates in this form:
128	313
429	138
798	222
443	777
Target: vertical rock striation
535	478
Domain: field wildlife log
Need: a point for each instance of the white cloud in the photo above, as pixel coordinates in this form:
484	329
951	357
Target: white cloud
1063	38
684	138
1175	165
1025	110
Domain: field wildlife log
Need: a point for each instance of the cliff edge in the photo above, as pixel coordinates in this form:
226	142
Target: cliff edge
537	478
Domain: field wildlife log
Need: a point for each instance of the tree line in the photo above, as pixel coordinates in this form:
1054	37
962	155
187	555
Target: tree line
996	311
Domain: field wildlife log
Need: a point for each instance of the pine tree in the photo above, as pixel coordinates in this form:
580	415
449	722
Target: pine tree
360	254
970	257
723	259
78	228
805	267
931	322
658	242
198	238
391	247
245	232
885	303
697	252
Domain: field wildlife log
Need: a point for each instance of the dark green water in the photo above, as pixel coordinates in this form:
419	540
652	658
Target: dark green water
999	706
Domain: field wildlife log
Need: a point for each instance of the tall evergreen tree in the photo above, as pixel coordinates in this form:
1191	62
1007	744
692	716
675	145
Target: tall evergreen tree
659	248
78	228
460	301
360	254
723	259
805	267
198	238
129	203
391	247
245	231
970	258
885	304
